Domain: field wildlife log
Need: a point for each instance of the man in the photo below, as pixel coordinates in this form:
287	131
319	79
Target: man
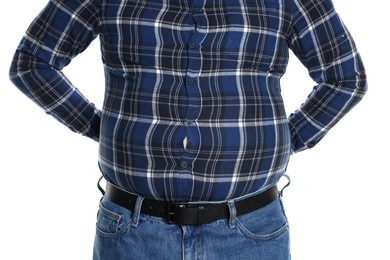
193	134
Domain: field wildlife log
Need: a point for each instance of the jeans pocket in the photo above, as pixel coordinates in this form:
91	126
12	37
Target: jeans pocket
112	220
265	224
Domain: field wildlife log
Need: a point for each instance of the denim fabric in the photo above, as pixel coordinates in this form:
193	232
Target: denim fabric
122	234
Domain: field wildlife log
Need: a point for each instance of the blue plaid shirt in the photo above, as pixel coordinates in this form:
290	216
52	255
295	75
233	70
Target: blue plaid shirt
206	72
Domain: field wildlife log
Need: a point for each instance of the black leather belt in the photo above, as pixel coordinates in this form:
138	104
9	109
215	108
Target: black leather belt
182	213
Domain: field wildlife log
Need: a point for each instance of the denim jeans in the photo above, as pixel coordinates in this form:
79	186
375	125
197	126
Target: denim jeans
122	234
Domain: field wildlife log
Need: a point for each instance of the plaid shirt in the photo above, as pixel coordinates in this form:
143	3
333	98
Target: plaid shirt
204	71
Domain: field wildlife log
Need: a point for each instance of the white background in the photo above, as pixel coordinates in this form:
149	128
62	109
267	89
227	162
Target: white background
337	203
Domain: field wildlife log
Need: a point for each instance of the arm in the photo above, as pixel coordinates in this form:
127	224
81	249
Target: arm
62	30
323	44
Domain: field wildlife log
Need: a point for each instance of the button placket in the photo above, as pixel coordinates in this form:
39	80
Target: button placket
191	83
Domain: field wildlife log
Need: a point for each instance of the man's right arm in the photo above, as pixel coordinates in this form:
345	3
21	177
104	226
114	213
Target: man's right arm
61	31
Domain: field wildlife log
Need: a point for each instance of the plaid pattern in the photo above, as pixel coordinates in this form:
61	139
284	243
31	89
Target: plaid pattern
208	71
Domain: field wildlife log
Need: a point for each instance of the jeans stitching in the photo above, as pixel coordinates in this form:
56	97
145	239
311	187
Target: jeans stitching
264	237
115	217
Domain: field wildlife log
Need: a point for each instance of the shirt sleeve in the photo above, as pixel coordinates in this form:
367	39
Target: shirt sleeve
62	30
324	45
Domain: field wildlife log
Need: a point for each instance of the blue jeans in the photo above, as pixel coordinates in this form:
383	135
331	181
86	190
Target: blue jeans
122	234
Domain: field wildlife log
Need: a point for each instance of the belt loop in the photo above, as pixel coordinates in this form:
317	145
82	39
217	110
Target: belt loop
232	214
285	186
137	211
100	187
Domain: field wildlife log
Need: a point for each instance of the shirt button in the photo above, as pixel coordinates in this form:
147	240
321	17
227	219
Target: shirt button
192	45
184	164
191	81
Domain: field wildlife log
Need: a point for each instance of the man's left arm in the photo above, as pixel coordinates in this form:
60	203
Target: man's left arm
324	45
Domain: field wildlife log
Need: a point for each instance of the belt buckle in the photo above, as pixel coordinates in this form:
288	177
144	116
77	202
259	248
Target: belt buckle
170	211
